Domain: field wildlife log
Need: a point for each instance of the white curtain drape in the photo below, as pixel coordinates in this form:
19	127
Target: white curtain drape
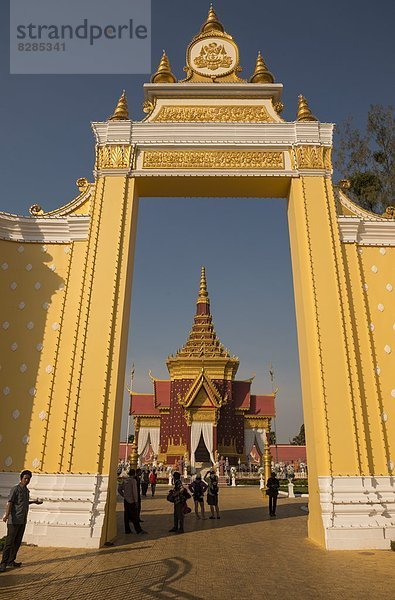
143	440
249	439
260	436
197	429
155	436
208	436
254	436
147	436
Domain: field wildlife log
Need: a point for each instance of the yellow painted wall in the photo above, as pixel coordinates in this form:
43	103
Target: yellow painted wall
33	288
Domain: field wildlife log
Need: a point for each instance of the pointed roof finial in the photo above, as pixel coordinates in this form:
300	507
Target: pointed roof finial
121	112
304	112
163	73
212	22
203	293
261	73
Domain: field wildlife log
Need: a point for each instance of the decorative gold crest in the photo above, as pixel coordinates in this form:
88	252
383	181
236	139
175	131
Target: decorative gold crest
213	56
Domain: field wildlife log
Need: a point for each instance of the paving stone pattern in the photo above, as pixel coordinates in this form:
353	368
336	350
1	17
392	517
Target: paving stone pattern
245	555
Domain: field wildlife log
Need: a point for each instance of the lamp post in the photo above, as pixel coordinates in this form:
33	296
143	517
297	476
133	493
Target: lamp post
128	427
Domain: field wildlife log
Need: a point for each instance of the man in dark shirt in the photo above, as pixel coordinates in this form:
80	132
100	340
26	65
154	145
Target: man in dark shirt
16	517
273	486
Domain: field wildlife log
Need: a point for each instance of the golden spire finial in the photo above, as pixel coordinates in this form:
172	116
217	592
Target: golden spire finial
261	73
163	73
212	22
121	112
203	293
304	112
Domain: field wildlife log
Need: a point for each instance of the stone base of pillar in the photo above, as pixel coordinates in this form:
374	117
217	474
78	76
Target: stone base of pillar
72	513
358	513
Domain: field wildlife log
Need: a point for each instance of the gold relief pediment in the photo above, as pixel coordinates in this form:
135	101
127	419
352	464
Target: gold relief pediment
214	159
201	399
201	415
202	393
257	422
230	113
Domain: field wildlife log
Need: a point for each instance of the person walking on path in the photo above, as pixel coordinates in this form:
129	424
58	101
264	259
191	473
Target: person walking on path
212	493
16	518
144	482
128	490
198	489
153	479
272	486
179	496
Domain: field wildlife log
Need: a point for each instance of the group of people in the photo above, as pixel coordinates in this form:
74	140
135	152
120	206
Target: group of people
131	488
179	494
135	485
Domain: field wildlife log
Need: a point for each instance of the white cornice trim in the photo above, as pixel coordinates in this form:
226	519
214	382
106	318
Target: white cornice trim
366	232
213	90
59	230
206	134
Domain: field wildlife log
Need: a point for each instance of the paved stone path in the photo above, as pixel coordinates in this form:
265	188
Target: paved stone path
245	555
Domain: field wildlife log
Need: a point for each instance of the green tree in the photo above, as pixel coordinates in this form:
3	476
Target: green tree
299	440
272	438
131	438
366	158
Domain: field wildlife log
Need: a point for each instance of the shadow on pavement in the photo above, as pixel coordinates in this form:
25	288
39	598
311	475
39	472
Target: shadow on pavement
153	579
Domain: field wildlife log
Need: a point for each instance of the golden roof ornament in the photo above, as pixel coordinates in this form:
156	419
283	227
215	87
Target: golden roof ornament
212	22
212	54
163	73
121	112
261	73
304	112
203	293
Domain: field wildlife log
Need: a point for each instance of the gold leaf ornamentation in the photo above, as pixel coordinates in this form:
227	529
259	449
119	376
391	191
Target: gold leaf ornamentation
113	157
149	105
213	159
214	114
213	56
310	157
256	422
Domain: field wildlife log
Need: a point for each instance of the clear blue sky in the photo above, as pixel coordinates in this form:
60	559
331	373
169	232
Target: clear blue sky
338	54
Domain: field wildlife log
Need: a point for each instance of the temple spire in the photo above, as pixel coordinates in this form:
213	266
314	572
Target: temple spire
261	73
304	112
203	293
163	73
121	112
212	22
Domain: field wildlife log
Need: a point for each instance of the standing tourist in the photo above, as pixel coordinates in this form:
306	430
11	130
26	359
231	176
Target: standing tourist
16	518
198	489
128	490
212	493
179	495
144	482
153	479
273	486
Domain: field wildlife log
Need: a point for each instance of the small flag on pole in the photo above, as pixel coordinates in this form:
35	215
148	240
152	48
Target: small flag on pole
271	372
131	376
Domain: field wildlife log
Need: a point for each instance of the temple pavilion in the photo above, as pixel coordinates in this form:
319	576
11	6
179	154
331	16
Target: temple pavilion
202	411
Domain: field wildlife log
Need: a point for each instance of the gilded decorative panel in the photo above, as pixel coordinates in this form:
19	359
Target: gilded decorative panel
214	114
213	159
313	157
113	157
